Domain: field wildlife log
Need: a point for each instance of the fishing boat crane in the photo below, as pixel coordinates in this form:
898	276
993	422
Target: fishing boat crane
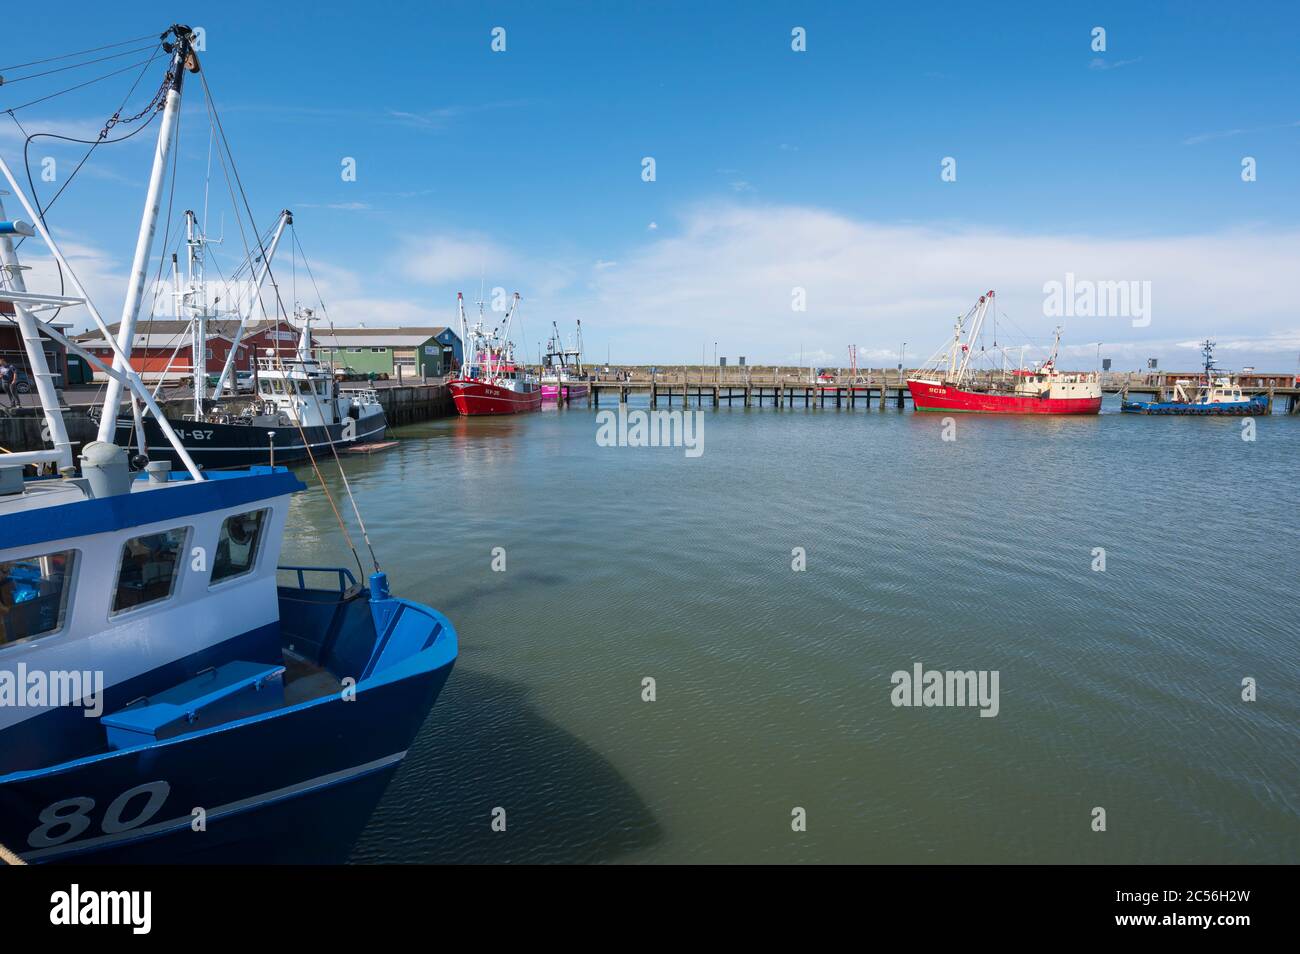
948	382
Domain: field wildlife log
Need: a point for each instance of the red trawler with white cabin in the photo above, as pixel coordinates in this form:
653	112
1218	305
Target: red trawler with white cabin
948	382
491	381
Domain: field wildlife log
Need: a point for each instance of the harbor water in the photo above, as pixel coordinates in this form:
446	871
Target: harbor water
576	572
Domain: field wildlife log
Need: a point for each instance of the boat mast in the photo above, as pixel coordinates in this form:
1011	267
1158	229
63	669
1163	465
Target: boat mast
1056	346
286	218
183	59
468	343
506	351
197	302
304	339
980	310
28	328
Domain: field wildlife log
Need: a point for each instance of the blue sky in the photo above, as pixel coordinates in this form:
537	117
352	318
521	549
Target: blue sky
775	169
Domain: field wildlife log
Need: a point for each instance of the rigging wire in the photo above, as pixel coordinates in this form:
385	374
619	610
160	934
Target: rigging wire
90	82
347	485
224	151
64	56
94	144
5	81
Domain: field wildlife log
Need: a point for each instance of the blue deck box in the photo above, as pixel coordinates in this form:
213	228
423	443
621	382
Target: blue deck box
213	697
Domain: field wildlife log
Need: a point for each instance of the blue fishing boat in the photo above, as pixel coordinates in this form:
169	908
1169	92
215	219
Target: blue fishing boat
168	692
1217	395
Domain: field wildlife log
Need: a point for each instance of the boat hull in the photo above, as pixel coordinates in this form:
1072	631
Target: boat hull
294	784
474	398
251	780
215	446
572	392
938	397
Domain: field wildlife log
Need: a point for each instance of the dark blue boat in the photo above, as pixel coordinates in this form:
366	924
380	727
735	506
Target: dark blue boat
238	717
1243	407
167	691
1215	396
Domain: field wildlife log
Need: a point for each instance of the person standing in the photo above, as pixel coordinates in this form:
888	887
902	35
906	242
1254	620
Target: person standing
9	381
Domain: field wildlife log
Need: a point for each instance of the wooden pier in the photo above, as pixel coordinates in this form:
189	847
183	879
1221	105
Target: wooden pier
881	391
781	394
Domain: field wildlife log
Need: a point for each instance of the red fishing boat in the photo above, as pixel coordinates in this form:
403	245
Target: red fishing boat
491	381
950	382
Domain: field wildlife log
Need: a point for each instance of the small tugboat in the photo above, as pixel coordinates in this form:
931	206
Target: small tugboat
1217	395
562	367
491	381
948	382
168	693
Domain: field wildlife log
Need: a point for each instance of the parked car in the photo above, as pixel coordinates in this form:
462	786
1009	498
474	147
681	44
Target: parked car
243	382
23	383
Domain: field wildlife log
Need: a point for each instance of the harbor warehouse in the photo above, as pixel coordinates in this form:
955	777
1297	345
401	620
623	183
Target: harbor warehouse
163	348
408	352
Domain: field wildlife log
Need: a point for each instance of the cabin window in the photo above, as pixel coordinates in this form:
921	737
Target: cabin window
34	595
355	350
237	545
150	565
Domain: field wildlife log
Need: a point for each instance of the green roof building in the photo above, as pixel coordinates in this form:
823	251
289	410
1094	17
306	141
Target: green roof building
417	352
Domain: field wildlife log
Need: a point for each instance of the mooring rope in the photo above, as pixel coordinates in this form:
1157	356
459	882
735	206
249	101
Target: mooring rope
10	857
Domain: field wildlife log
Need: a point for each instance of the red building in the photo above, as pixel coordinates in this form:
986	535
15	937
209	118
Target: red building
163	348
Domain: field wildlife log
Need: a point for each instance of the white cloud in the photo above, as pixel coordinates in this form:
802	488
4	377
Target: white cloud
337	206
728	275
1098	63
440	259
461	262
350	300
102	276
1229	133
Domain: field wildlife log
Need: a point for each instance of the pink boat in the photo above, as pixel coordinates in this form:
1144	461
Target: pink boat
562	368
572	390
